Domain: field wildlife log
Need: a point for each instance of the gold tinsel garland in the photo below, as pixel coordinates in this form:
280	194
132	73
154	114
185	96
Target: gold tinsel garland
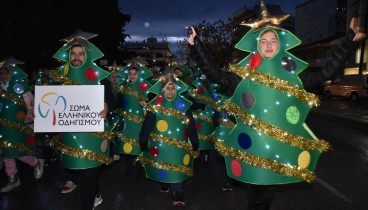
130	116
12	97
85	154
126	139
265	163
103	135
168	112
205	137
63	80
132	92
275	132
204	118
174	142
22	128
17	146
204	98
276	83
166	166
226	123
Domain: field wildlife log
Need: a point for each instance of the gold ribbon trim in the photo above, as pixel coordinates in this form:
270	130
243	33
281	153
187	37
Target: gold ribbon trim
168	112
63	80
227	123
204	98
204	118
17	146
166	166
103	135
22	128
12	97
174	142
276	83
131	92
126	139
265	163
130	116
85	154
275	132
205	138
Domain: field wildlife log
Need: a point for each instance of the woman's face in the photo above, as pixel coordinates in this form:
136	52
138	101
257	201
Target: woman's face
4	75
268	44
170	91
133	75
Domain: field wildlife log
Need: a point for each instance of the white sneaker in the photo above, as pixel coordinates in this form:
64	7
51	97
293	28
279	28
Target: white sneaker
68	187
38	168
98	200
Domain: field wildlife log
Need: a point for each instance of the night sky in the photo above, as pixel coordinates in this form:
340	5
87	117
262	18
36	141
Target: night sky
168	18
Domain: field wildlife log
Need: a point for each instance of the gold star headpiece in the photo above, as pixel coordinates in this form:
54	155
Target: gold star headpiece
168	77
114	67
136	62
79	37
267	20
10	62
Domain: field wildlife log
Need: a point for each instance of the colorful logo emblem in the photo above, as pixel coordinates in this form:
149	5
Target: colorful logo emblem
53	101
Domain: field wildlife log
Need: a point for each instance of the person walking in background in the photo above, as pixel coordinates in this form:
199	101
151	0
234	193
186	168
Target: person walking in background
167	154
17	140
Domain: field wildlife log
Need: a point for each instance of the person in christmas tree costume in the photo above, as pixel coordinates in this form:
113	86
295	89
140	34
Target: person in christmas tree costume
270	144
223	123
203	94
84	151
115	121
132	98
16	110
167	155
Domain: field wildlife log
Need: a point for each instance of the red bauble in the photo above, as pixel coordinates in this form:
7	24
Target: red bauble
186	134
200	90
31	140
154	151
91	74
255	60
143	86
198	126
159	99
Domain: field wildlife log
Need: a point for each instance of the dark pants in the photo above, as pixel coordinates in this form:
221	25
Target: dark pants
71	175
89	186
260	197
175	187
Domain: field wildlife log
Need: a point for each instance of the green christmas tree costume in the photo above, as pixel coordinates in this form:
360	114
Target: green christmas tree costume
16	137
170	156
132	112
271	143
203	118
82	150
225	124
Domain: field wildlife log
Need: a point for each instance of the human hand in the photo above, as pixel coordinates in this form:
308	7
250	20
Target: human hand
30	116
192	36
103	113
359	31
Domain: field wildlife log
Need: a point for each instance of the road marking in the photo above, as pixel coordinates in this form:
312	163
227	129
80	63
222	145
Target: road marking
333	190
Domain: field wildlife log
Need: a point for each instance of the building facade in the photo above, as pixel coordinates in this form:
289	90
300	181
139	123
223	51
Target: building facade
156	53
